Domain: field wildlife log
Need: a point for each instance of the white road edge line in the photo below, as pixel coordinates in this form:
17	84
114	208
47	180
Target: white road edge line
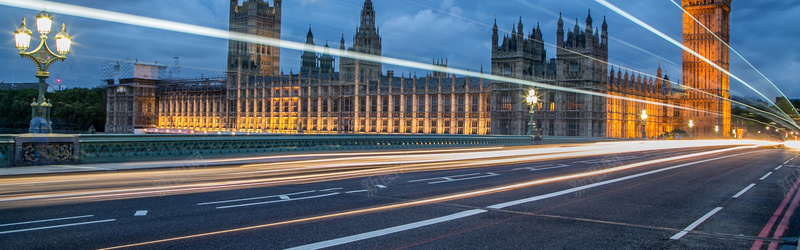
765	176
367	235
391	230
56	226
695	224
356	191
38	221
740	193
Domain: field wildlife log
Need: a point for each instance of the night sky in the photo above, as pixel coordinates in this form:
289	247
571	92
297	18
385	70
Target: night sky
764	32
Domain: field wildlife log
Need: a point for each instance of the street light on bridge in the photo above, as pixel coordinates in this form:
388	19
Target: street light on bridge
532	101
43	57
644	127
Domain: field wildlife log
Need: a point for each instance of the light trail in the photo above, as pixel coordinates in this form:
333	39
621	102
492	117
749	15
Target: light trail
451	197
118	17
687	49
300	173
734	51
618	66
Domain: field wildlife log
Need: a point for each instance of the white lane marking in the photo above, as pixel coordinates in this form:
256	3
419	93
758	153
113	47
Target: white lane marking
740	193
355	191
695	224
391	230
623	158
42	182
765	176
330	189
284	197
542	167
576	189
254	198
140	213
445	178
779	167
363	236
268	202
56	226
38	221
787	161
380	186
488	174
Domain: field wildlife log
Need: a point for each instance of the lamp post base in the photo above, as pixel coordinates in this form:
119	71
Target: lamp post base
40	126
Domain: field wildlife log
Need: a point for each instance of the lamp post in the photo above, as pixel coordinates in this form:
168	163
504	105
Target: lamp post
532	101
43	57
691	124
716	130
644	127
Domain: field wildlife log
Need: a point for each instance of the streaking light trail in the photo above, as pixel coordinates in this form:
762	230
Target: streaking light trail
117	17
734	51
680	45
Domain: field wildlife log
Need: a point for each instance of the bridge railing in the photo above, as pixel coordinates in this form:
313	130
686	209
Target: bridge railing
119	148
6	151
27	149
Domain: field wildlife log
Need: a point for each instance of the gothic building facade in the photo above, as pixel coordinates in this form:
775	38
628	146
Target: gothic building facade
580	63
254	17
255	98
367	40
709	95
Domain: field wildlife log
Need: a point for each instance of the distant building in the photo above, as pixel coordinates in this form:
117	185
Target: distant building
131	95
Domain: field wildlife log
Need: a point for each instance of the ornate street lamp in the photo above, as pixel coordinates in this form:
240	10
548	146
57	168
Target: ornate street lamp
691	124
43	57
644	127
532	101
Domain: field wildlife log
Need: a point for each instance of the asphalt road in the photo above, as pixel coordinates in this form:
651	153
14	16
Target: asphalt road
714	197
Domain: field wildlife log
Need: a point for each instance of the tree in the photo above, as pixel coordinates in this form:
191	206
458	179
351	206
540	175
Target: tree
73	109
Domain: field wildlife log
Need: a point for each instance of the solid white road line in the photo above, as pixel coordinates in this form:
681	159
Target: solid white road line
38	221
367	235
740	193
576	189
695	224
356	191
765	176
56	226
268	202
254	198
391	230
779	167
330	189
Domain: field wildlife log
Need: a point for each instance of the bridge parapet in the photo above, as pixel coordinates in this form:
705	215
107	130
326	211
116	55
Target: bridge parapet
117	148
104	148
